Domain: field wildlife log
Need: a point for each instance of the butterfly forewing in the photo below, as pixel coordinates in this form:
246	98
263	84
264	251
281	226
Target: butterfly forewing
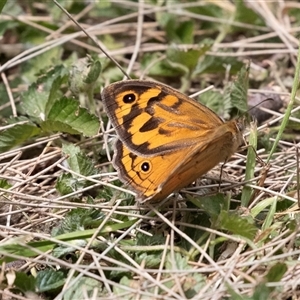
153	118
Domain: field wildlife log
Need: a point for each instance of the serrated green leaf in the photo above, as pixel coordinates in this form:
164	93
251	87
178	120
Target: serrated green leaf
94	72
276	272
77	219
186	32
234	295
126	282
43	246
212	64
237	224
176	262
50	126
216	102
84	287
24	282
239	90
49	280
17	135
4	184
78	161
178	62
67	184
245	14
193	281
54	93
48	75
2	3
180	32
68	112
63	250
84	74
188	58
34	102
143	240
42	64
262	292
39	98
149	260
212	205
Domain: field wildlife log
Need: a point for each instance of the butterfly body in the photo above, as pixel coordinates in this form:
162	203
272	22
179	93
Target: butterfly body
166	139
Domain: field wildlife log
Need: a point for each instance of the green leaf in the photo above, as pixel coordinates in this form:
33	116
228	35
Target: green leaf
48	76
217	102
246	15
41	64
193	281
239	90
50	126
77	219
276	272
68	112
178	62
177	31
40	97
126	282
24	282
237	224
213	65
54	94
17	135
78	161
49	280
94	72
185	31
212	205
261	205
84	74
12	8
188	58
250	165
34	102
234	295
4	184
2	3
67	184
84	287
262	292
15	248
149	260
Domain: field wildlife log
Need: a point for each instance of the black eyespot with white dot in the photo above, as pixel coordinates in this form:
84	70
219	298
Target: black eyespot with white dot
145	167
129	98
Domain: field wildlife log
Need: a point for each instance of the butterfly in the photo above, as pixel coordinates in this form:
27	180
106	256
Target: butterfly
166	140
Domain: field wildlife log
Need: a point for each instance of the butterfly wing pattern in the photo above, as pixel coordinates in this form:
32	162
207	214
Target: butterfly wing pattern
166	139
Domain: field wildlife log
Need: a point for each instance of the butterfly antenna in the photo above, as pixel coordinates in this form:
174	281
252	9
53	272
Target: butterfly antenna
268	99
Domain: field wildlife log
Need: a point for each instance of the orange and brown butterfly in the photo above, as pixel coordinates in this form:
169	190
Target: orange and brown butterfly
166	139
